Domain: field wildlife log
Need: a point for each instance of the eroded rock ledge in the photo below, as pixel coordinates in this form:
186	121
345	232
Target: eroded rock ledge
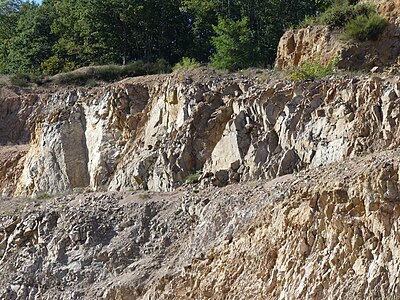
328	233
152	132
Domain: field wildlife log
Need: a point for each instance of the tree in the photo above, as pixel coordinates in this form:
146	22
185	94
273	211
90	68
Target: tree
61	35
234	45
31	43
9	13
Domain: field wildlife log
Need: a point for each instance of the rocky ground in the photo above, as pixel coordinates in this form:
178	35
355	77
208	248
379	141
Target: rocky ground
324	233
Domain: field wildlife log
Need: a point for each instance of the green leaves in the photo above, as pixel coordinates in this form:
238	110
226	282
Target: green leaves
62	35
32	42
186	63
364	28
314	69
234	44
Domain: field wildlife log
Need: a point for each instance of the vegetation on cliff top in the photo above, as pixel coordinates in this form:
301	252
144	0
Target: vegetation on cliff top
63	35
58	36
313	70
357	21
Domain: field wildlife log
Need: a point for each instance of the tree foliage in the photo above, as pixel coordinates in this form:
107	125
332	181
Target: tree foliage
234	44
62	35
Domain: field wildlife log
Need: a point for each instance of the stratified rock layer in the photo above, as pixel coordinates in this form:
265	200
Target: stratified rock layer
328	233
153	132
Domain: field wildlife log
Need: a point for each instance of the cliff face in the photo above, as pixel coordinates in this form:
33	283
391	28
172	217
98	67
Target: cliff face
325	227
319	42
153	132
328	233
312	210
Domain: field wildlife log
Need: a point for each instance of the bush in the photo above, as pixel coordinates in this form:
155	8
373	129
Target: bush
193	178
25	80
88	75
364	28
43	196
313	70
359	22
186	63
338	15
21	80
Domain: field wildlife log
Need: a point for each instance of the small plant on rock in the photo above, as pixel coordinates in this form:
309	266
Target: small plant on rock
43	196
313	70
193	178
186	63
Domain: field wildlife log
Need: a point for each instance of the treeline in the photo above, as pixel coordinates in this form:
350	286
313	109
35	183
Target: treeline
62	35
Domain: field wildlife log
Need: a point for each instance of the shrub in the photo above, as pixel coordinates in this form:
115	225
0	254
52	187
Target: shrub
313	70
88	75
24	80
359	22
21	80
338	15
43	196
186	63
193	178
364	28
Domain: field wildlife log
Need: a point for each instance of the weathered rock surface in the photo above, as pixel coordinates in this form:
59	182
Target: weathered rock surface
152	132
328	233
327	226
11	166
305	45
312	212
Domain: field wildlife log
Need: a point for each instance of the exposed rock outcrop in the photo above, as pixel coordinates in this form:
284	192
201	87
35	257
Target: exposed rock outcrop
332	238
152	132
328	233
18	113
325	227
11	166
306	45
312	210
321	43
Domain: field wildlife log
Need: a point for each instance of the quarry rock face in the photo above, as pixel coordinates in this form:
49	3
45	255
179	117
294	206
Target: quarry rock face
205	185
152	133
328	233
304	45
299	192
320	43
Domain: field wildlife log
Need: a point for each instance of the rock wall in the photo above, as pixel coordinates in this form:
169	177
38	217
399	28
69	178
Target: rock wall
18	112
332	238
319	42
152	132
305	45
328	233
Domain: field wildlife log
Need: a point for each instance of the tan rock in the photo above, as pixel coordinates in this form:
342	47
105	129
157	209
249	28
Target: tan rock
319	43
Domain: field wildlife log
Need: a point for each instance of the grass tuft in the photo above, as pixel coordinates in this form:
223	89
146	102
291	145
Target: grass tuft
186	63
313	70
193	178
